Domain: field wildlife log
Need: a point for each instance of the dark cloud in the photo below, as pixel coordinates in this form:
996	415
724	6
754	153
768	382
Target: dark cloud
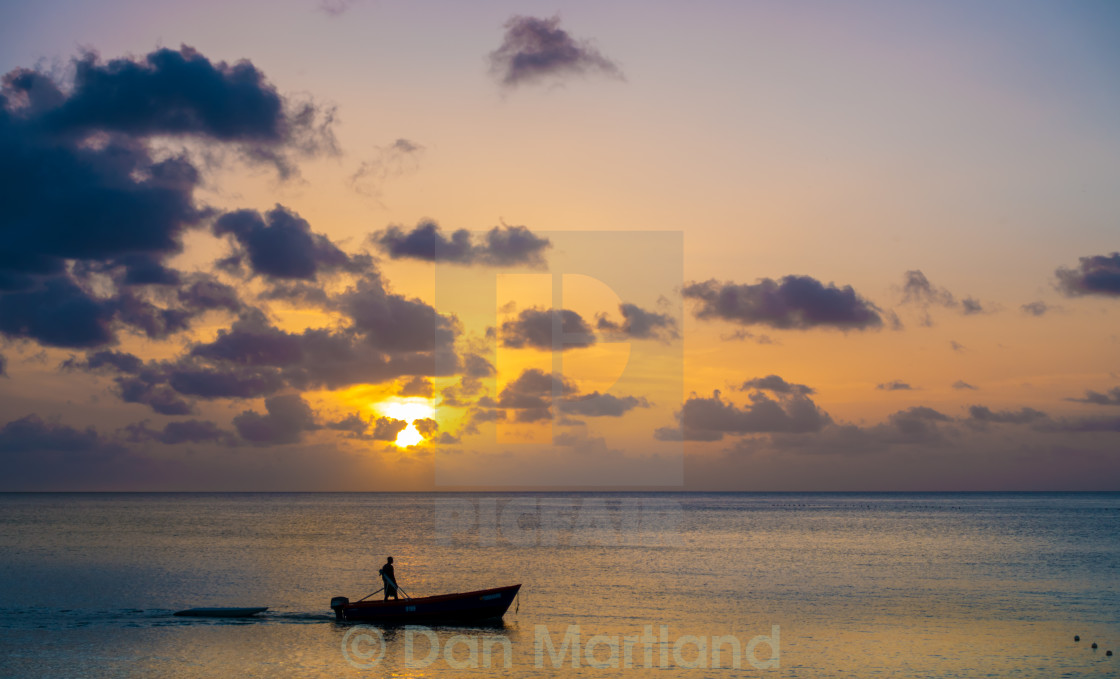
3	366
919	291
501	246
795	302
144	269
531	395
136	382
202	292
1112	398
45	454
601	405
34	434
913	425
83	192
427	427
387	429
252	341
638	323
534	49
1083	425
180	93
961	384
417	386
281	245
352	423
793	414
777	385
679	434
57	313
394	323
983	414
894	385
956	346
916	289
224	382
154	321
533	328
1036	308
971	306
186	431
1097	275
158	397
288	417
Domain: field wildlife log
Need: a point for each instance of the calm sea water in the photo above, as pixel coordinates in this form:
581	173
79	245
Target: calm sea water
820	585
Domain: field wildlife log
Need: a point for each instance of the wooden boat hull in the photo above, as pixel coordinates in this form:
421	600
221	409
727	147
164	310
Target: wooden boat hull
221	612
463	607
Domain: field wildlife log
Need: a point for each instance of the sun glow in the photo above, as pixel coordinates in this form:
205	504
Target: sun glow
408	410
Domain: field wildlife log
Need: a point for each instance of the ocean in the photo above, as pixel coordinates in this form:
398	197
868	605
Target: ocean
613	584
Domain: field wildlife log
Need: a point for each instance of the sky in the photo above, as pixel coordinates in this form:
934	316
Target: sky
371	245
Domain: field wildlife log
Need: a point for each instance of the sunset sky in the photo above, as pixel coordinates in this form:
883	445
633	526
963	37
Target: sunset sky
376	245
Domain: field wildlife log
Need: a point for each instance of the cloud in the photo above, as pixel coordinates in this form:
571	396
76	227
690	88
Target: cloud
387	428
1112	398
777	385
919	291
894	385
916	289
58	314
983	414
535	49
288	417
1083	425
1036	308
961	384
336	8
601	405
795	302
393	323
221	383
33	434
397	159
3	366
45	454
793	413
1097	275
970	306
500	246
530	395
637	323
352	423
281	245
417	386
533	328
83	191
186	431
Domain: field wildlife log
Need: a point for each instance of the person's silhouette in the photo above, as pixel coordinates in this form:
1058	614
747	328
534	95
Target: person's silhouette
389	578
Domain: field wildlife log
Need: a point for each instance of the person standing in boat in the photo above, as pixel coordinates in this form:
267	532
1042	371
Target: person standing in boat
389	579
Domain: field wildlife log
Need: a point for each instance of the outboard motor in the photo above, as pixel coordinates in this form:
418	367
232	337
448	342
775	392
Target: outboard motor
339	603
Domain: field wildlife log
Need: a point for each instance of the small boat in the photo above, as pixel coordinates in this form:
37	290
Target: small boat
221	612
484	604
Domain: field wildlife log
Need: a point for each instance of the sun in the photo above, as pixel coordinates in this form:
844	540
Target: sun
408	410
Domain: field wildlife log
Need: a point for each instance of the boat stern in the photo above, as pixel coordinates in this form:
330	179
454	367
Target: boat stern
338	605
